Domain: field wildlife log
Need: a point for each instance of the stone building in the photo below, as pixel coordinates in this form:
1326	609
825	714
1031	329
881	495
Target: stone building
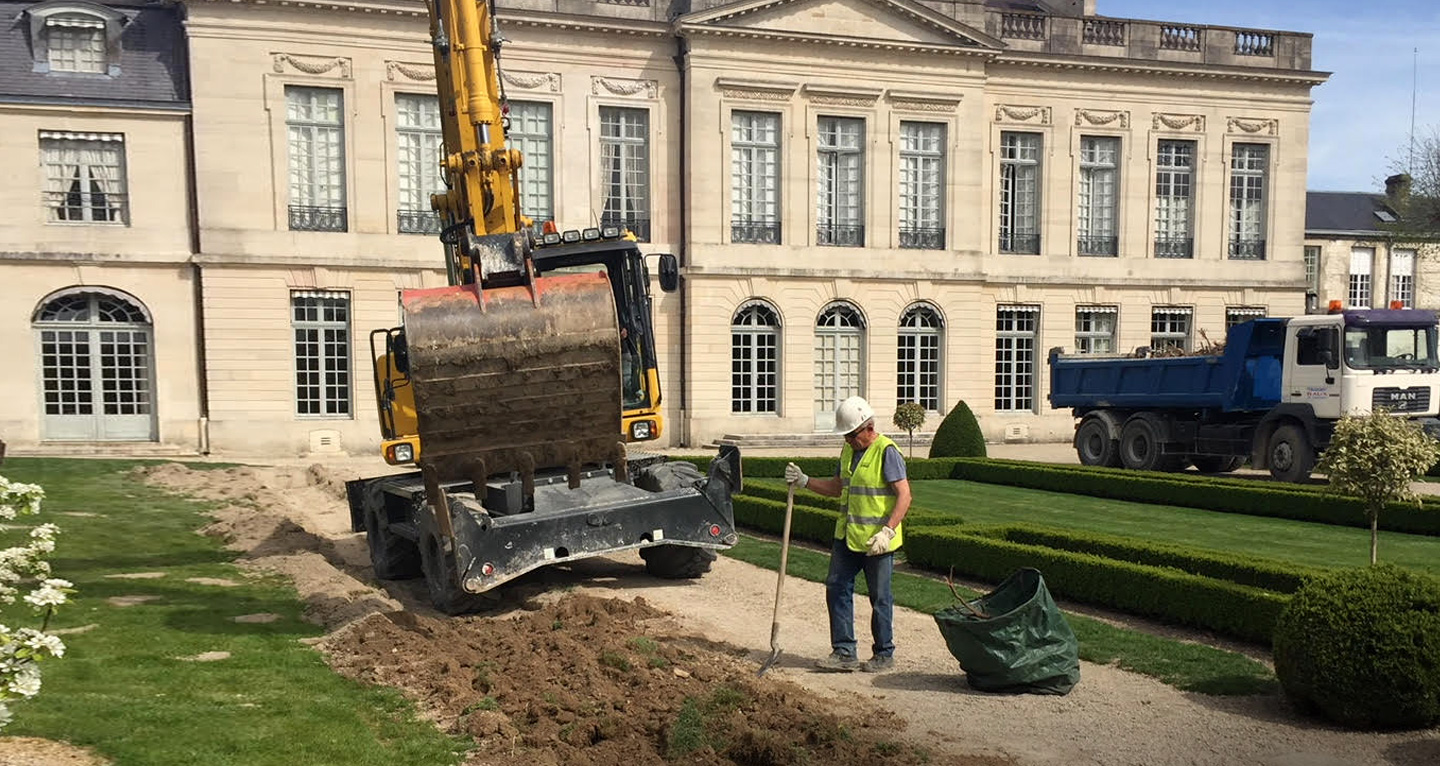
1354	255
905	200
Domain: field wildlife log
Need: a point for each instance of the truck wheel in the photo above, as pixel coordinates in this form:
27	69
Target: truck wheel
1291	456
1093	444
1140	445
442	581
391	556
674	562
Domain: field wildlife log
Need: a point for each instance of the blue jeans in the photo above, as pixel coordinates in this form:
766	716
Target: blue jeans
845	564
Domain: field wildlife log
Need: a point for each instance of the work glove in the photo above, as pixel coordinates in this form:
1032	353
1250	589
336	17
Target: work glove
795	476
880	541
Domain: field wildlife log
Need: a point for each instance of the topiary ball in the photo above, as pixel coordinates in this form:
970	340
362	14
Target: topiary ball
1361	647
958	435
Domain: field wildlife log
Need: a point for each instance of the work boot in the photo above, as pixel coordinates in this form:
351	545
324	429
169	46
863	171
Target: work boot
838	663
879	664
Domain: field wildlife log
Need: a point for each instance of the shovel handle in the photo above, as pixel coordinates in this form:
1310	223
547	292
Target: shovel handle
784	564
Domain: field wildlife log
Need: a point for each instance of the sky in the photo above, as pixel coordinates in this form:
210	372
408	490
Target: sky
1360	123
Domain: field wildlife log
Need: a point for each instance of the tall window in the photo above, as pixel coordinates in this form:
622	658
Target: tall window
1402	277
320	320
421	147
922	184
95	367
917	372
625	169
1019	192
755	359
1249	164
1312	269
76	43
532	131
1237	314
839	363
839	193
1170	328
1362	260
84	176
1099	198
1174	199
1095	329
1015	335
315	135
755	177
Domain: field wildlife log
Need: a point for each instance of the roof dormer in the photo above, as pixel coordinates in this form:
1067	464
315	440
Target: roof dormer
75	37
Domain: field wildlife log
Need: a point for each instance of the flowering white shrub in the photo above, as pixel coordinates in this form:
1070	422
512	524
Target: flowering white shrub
22	649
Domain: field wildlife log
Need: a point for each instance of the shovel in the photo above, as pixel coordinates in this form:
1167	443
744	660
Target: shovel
780	582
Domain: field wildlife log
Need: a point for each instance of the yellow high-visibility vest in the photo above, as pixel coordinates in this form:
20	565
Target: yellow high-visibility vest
866	500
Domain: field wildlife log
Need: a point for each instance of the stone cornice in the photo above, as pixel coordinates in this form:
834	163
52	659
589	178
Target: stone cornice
774	35
987	277
920	14
1171	68
413	9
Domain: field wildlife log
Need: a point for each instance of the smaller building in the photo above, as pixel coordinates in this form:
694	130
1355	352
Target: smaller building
1354	255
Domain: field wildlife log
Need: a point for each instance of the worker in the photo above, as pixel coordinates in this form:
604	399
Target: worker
874	494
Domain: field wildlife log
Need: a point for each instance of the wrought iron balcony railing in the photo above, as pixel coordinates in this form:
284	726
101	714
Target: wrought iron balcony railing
1104	246
1247	249
1174	247
755	232
919	238
417	222
1022	244
317	218
838	235
637	225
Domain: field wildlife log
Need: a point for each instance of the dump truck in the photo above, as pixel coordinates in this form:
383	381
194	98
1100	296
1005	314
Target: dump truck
513	394
1272	397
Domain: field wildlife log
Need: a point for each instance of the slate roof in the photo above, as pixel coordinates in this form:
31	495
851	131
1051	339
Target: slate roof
1345	212
153	61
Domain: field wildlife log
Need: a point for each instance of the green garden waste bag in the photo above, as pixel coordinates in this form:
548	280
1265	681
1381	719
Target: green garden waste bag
1022	644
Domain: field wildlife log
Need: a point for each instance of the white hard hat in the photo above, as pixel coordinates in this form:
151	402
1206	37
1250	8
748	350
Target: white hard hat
851	414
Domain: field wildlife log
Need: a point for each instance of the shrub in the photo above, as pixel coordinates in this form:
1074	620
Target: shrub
1362	648
958	435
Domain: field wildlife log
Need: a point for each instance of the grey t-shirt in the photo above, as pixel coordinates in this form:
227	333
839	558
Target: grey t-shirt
892	469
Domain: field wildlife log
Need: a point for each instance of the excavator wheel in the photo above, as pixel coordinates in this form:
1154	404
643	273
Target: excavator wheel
391	556
674	562
442	581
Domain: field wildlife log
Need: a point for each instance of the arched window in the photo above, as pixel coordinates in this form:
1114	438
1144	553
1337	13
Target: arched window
755	358
96	372
917	366
839	360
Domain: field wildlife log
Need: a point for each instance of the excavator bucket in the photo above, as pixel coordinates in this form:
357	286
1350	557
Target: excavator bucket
515	378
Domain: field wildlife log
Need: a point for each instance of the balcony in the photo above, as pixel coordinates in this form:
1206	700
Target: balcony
1149	41
635	224
755	232
916	238
1174	247
1247	249
417	222
839	235
1020	244
318	218
1101	246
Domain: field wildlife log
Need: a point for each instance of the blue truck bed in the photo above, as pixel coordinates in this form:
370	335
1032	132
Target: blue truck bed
1245	377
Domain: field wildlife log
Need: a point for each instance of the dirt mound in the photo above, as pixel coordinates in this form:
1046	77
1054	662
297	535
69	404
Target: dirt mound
594	681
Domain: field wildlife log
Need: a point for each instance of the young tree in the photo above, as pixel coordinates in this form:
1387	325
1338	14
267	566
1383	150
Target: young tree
910	416
1414	193
1374	458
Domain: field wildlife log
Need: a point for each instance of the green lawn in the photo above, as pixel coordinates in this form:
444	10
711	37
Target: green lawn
121	687
1322	545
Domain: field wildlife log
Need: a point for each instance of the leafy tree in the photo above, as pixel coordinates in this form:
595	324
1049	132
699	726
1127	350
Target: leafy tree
910	416
958	435
1374	458
1414	193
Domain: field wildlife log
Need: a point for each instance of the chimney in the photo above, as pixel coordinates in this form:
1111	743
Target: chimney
1397	187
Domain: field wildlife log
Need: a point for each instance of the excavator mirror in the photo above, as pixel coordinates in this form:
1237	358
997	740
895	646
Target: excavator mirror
669	272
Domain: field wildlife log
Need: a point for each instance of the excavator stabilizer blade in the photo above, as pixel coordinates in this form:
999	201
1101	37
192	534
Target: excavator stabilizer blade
521	378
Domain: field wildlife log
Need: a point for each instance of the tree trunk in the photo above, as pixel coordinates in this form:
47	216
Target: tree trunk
912	445
1374	536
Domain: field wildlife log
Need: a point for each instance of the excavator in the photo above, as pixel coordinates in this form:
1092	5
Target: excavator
513	393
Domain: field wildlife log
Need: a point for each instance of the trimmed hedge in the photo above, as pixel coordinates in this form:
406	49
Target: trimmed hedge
958	435
1162	592
915	517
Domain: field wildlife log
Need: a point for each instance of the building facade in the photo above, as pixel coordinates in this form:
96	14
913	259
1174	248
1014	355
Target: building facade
1354	255
911	201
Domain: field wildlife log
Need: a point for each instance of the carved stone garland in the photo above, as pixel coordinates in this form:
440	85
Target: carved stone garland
1194	122
1102	118
311	64
546	81
395	70
1033	114
617	86
1255	126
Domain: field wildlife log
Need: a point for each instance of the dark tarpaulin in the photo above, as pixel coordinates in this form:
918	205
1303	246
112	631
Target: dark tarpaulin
1024	644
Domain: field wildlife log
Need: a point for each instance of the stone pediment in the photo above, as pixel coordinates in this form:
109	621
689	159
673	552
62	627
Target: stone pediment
876	21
